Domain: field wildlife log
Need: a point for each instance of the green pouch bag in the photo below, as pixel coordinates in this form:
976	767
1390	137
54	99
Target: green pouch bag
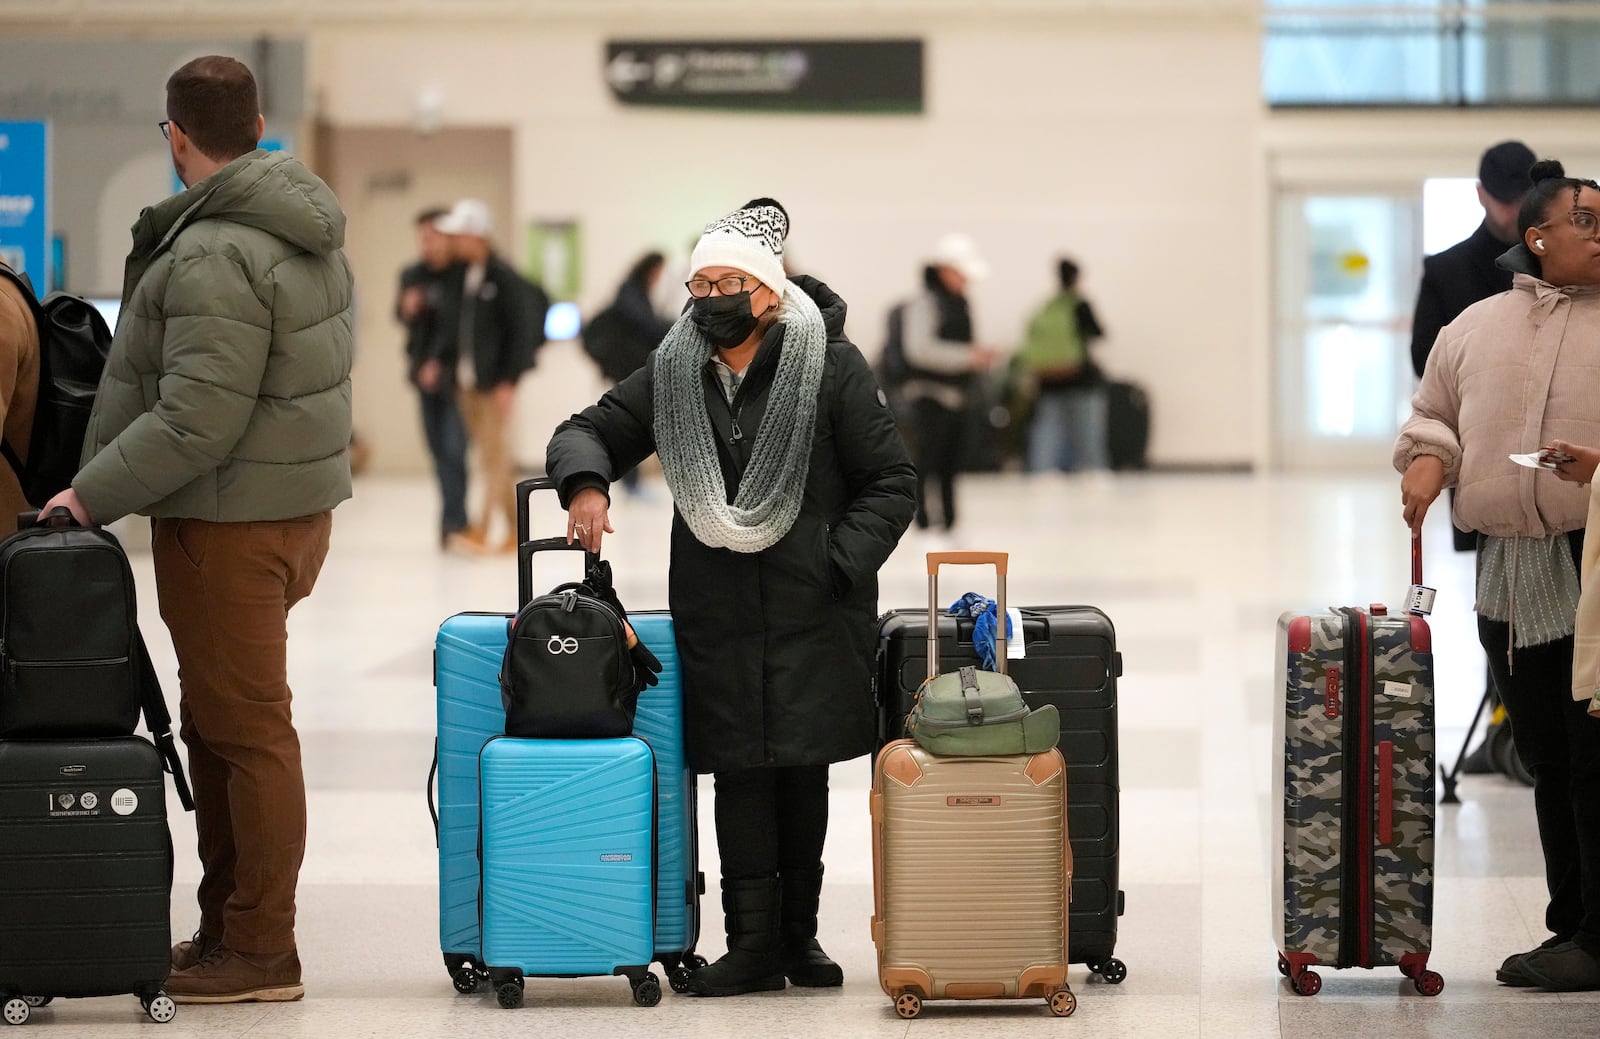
973	713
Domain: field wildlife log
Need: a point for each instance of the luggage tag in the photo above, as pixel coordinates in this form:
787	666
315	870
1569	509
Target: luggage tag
1419	597
1017	646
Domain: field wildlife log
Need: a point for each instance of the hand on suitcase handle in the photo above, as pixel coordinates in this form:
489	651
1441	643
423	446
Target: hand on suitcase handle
589	519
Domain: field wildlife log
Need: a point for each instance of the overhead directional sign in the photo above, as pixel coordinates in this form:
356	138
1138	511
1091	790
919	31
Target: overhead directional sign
794	75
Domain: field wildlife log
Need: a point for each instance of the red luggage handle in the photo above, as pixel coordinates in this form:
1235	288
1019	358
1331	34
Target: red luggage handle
1000	562
1419	599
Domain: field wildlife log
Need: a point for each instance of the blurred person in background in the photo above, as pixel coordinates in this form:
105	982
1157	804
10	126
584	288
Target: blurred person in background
1068	427
621	336
790	489
1516	373
498	328
941	360
1455	279
429	293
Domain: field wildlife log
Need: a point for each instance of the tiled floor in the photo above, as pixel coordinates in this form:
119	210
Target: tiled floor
1192	569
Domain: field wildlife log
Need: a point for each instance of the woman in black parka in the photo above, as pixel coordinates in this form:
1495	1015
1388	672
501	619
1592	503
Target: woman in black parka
790	489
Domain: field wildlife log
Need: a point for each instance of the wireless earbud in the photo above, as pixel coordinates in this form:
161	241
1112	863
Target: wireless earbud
1538	243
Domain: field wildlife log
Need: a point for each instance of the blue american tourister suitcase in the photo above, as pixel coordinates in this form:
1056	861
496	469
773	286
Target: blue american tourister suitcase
466	672
467	657
568	853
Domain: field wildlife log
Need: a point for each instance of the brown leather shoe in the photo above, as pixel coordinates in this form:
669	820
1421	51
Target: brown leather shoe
225	976
187	954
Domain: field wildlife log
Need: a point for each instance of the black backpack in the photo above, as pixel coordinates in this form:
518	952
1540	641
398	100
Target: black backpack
566	672
606	340
72	661
73	345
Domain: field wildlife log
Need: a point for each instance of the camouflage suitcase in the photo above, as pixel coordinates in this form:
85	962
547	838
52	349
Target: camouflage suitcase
1354	861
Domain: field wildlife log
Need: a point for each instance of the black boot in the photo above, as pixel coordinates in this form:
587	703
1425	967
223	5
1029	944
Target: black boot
804	962
754	962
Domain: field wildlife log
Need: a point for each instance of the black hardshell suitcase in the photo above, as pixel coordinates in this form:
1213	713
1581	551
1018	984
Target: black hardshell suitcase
1073	663
85	873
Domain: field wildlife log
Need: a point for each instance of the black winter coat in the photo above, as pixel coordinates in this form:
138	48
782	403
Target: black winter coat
1452	281
507	322
776	646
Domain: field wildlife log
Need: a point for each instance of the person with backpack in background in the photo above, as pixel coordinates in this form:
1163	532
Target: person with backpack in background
19	391
621	336
238	308
941	359
1068	428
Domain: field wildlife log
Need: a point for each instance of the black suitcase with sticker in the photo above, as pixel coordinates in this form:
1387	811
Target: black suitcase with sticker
1072	662
85	873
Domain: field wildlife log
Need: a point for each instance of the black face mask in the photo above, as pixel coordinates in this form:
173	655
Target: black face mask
725	320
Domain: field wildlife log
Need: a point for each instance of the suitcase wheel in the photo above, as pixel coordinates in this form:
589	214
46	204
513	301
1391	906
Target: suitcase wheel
465	979
16	1011
37	1001
1429	983
1116	972
908	1005
1063	1002
1283	965
509	995
678	978
647	993
161	1009
1308	983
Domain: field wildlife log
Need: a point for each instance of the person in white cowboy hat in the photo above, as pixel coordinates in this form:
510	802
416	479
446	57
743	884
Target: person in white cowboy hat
790	488
942	357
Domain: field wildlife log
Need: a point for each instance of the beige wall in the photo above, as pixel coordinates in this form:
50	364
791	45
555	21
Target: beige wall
1131	145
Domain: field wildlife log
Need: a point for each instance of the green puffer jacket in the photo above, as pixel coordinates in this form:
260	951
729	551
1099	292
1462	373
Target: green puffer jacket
227	393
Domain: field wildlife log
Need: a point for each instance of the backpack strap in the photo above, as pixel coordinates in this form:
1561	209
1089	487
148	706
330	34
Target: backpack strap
159	721
969	693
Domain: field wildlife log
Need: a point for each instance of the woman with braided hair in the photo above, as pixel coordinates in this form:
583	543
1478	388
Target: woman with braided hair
1519	374
790	488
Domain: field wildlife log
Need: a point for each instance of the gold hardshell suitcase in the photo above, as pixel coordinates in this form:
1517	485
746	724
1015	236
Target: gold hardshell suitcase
971	877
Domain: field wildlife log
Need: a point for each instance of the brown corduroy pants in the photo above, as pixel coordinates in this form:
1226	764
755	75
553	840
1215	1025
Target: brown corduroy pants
225	591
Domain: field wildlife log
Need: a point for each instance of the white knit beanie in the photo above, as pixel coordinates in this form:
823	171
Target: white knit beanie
749	240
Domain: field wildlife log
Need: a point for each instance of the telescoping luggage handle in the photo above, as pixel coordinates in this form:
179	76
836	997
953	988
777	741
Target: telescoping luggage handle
1419	599
1001	562
527	548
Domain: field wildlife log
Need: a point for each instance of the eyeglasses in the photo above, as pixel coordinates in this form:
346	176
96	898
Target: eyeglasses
1584	223
732	285
164	125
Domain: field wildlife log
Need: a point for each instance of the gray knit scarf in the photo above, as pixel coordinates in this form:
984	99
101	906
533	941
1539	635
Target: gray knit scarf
773	484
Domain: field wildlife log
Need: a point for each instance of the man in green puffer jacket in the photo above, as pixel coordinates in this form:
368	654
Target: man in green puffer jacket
224	413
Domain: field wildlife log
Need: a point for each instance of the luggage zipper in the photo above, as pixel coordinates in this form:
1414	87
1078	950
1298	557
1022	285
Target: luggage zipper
1349	783
12	663
1368	860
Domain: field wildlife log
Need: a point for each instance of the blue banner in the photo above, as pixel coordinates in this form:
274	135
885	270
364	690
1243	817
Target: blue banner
24	214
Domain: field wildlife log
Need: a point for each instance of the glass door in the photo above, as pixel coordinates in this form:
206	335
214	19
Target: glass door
1347	269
